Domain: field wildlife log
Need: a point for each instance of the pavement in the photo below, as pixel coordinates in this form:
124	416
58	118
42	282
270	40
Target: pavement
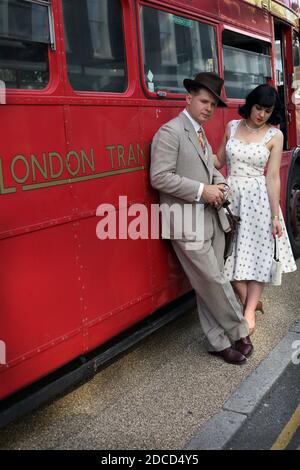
275	423
237	411
167	392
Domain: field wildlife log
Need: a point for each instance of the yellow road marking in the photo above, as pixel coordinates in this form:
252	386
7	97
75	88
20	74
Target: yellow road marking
288	432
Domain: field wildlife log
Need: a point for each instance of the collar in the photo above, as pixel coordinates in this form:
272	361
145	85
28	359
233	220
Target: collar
196	125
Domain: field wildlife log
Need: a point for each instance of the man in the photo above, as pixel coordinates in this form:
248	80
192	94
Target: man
183	171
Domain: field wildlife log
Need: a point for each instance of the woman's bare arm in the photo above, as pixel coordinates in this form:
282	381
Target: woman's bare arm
273	180
220	158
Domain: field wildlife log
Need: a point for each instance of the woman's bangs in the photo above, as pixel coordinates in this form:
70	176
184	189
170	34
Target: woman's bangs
266	101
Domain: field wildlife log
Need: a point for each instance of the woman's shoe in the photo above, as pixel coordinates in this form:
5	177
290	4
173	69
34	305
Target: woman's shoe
259	307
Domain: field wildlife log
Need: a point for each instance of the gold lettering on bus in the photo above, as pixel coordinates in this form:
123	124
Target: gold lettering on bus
121	151
91	162
122	157
20	158
4	190
110	148
141	152
35	163
34	171
57	156
131	156
71	154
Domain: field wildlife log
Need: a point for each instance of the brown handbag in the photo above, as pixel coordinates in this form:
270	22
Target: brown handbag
230	237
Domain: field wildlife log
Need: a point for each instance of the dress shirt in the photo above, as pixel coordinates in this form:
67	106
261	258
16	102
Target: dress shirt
196	127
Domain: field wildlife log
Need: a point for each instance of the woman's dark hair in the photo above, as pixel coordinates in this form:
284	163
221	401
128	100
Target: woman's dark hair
265	96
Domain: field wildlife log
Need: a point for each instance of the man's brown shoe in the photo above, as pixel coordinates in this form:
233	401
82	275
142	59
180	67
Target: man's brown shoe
230	355
244	346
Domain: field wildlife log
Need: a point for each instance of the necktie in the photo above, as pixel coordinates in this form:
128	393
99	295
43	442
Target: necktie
201	139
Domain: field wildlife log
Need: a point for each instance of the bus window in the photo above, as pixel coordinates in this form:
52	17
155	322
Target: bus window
175	48
94	43
296	63
247	63
24	41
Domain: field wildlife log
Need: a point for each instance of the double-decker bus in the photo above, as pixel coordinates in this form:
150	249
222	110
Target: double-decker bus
84	85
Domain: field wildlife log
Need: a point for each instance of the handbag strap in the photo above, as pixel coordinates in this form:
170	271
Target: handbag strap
276	249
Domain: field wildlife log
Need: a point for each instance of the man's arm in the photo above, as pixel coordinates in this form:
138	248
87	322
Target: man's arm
218	178
164	154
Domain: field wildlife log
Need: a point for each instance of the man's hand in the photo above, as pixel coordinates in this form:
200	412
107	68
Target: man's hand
222	186
213	194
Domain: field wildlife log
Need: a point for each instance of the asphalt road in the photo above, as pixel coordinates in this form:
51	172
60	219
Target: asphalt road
275	425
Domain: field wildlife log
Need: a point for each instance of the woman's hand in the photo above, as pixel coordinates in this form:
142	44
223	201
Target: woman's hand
277	228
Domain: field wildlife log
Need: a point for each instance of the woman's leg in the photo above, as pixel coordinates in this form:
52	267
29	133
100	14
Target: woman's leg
241	288
254	292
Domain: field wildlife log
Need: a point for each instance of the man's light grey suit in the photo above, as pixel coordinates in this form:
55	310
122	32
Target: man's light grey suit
178	165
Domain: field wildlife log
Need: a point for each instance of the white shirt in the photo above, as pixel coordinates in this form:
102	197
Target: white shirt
196	126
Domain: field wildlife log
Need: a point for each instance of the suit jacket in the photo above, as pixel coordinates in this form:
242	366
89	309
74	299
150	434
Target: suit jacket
178	165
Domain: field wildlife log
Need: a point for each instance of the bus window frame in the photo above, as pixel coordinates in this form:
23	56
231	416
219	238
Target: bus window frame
55	85
163	94
246	32
14	94
127	8
290	109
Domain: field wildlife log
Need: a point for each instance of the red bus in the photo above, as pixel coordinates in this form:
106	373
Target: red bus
84	85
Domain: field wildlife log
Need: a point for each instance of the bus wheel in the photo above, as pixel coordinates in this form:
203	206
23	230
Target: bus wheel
293	210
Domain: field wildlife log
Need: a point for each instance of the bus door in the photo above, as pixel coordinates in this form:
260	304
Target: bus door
287	59
284	71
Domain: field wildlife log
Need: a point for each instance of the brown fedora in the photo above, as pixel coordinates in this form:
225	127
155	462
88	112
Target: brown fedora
209	80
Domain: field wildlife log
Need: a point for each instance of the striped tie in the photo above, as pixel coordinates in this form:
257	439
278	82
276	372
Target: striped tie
201	139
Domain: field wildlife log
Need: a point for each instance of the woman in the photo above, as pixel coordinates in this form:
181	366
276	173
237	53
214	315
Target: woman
248	145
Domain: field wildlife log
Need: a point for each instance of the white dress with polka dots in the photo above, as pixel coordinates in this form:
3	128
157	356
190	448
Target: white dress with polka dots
254	246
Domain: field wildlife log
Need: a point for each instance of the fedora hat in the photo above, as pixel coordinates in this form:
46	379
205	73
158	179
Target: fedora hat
209	80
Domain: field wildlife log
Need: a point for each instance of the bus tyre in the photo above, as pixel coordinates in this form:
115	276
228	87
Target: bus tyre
293	209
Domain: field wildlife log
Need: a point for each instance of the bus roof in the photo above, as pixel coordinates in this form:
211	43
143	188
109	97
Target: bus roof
285	9
288	10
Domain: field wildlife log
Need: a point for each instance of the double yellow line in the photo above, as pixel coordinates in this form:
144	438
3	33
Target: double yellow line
288	432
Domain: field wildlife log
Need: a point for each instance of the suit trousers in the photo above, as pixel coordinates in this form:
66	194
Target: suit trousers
220	313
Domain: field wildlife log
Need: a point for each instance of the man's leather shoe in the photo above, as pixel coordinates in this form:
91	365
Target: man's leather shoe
244	346
230	355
